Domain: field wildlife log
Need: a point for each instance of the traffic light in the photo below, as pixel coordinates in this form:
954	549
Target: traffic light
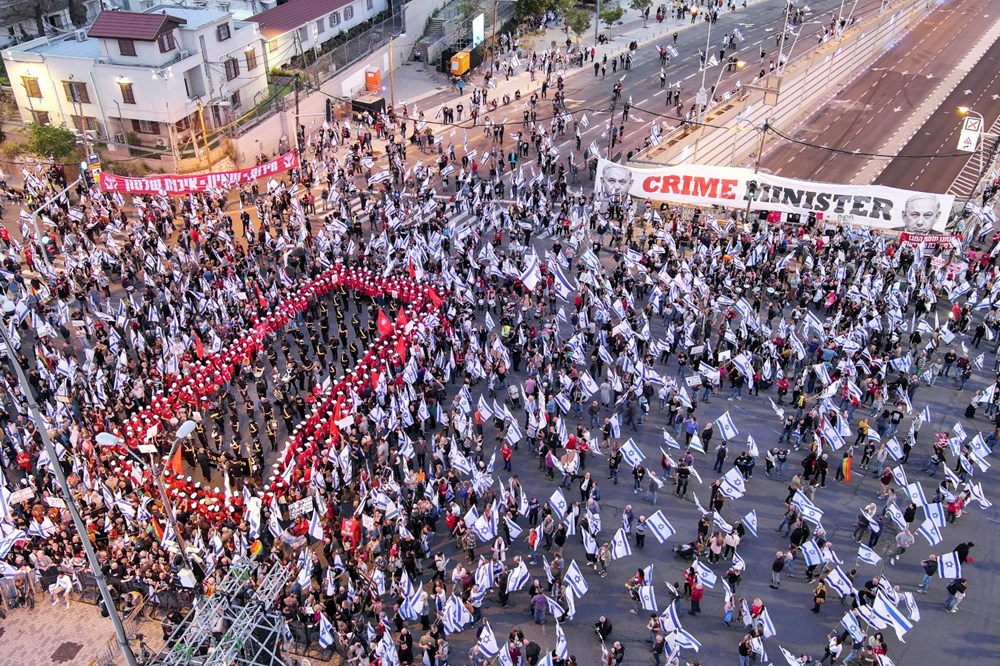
812	218
751	190
329	110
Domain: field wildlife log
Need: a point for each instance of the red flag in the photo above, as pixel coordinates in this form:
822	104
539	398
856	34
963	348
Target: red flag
260	297
401	348
401	319
176	465
847	469
384	324
413	271
198	348
435	299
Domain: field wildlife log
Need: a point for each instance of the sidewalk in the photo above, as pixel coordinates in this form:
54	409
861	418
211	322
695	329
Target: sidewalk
416	83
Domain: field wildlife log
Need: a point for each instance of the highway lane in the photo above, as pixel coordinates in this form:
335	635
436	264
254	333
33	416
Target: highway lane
881	98
980	90
760	23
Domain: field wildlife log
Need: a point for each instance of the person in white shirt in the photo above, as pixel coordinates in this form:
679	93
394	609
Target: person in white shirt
62	587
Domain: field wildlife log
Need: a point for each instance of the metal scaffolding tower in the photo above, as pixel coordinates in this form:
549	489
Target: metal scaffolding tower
254	629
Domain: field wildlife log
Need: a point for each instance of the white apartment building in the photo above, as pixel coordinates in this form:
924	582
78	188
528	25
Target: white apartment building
297	26
169	74
240	9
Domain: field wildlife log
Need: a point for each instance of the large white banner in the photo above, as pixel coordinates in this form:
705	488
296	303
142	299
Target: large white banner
698	185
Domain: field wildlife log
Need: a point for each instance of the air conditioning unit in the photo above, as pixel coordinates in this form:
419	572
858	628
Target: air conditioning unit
184	53
161	143
81	35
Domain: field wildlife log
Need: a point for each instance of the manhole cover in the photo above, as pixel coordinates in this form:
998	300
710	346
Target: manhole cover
66	652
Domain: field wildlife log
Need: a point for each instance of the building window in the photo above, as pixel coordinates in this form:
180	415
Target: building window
55	20
128	97
85	123
145	127
232	69
234	100
370	4
40	117
251	59
272	46
303	35
76	91
348	13
320	26
334	19
223	32
166	42
126	47
31	87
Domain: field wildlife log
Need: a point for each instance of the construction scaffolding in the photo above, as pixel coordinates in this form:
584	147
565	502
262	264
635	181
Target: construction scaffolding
242	610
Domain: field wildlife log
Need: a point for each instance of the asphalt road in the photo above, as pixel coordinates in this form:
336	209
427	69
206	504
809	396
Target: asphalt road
585	93
880	99
979	90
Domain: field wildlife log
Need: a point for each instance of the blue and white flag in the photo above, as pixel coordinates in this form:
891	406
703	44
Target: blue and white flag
838	581
916	494
686	641
936	514
631	453
669	620
647	597
325	632
562	647
669	440
660	527
891	615
949	566
750	520
868	556
765	619
811	553
574	578
620	546
732	484
930	531
518	578
790	658
488	645
850	623
555	610
559	505
727	429
706	576
514	529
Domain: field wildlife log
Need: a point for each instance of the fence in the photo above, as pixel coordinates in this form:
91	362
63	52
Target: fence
112	651
343	55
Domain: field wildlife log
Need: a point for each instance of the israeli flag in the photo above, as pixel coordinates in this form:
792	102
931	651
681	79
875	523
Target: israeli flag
488	645
949	566
930	531
669	620
868	556
562	647
720	523
733	485
555	610
765	620
514	529
727	429
574	578
559	505
916	494
670	441
631	453
936	514
811	553
647	597
850	623
659	526
891	615
706	576
686	641
620	546
518	578
896	514
325	632
838	581
750	520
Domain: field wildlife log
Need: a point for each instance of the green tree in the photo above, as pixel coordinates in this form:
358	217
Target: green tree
467	9
77	13
611	15
578	19
46	140
642	6
529	8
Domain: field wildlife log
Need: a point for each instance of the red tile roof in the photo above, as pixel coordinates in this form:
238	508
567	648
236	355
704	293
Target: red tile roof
291	15
133	25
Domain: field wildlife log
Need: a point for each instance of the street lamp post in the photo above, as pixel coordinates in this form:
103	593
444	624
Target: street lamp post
392	78
109	439
38	230
722	68
781	67
784	32
81	527
701	100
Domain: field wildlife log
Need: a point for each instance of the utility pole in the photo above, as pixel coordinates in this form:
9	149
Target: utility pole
756	167
496	5
597	22
298	147
56	469
204	133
